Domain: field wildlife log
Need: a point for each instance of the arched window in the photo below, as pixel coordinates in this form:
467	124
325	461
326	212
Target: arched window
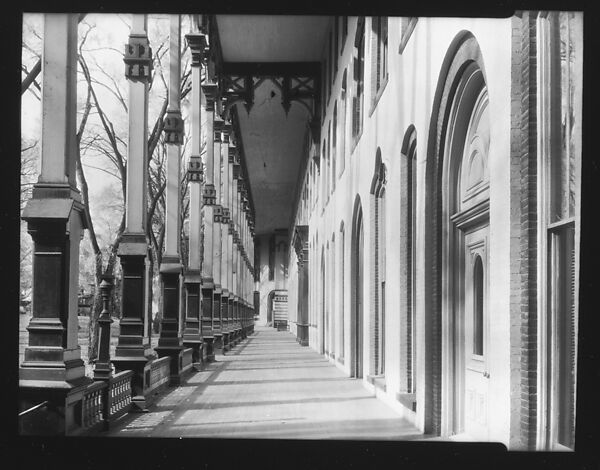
359	78
332	297
330	65
378	270
323	307
334	147
408	253
330	163
356	290
478	306
342	277
379	51
343	114
323	173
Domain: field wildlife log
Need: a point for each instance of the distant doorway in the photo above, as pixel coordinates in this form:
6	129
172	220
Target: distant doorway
356	323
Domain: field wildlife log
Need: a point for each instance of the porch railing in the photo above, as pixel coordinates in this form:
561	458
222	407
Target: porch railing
118	396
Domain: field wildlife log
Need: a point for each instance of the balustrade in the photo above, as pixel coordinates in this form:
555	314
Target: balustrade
89	411
119	396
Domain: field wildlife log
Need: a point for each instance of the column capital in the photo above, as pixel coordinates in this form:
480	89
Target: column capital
227	128
197	43
210	92
232	151
173	127
138	58
209	195
195	169
218	124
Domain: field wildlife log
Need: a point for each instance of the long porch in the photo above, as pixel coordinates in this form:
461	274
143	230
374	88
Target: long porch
269	387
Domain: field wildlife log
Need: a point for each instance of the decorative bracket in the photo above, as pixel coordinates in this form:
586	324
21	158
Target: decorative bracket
235	89
298	82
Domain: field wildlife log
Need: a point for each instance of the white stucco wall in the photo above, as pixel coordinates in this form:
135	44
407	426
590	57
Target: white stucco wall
408	99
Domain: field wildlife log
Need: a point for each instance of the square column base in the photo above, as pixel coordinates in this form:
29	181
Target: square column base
209	347
302	337
62	414
176	365
227	345
198	351
143	395
218	343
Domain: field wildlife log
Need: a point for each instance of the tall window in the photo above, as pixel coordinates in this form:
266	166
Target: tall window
336	42
341	352
380	51
323	89
324	174
359	77
334	144
408	193
311	183
378	271
344	31
343	111
332	302
330	68
331	157
560	100
478	306
328	167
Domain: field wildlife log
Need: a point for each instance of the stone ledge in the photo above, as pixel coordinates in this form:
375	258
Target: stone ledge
377	381
409	400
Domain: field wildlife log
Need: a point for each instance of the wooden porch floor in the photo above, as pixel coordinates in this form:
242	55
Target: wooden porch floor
269	387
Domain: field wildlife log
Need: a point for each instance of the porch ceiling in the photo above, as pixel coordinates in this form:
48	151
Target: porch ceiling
271	38
273	142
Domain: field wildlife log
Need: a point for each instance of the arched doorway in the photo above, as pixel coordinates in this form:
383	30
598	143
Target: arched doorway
456	240
356	267
465	258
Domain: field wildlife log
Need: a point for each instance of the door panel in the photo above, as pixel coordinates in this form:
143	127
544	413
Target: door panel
475	310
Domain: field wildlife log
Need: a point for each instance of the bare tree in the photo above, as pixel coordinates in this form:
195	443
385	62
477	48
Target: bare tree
102	146
108	143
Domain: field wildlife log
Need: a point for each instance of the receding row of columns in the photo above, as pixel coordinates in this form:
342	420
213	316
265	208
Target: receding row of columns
218	278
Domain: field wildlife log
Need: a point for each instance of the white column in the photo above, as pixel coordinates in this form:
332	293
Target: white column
217	127
174	137
194	250
230	244
55	217
59	103
209	91
225	194
137	149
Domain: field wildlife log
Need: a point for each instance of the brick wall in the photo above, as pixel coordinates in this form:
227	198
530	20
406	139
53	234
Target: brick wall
374	299
523	300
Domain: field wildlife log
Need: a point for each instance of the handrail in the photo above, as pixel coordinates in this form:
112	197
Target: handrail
33	408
